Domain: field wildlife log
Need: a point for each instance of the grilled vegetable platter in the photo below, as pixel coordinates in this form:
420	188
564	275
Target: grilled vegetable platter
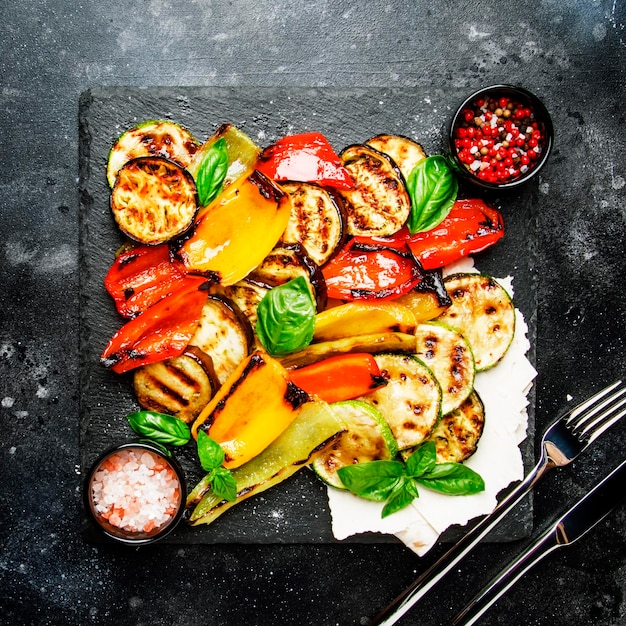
285	296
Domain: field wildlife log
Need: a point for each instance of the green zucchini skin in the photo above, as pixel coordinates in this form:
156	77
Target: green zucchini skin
483	312
151	138
456	436
449	356
367	438
411	400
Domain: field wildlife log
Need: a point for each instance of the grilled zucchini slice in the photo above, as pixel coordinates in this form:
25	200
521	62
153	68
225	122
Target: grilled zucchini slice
483	312
181	386
152	138
288	261
318	220
411	400
224	333
456	435
404	152
153	200
450	357
379	204
367	438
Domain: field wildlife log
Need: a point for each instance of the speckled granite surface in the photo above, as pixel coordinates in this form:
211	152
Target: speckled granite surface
572	55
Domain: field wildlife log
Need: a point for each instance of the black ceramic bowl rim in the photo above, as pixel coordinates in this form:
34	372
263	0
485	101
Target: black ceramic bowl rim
542	116
118	535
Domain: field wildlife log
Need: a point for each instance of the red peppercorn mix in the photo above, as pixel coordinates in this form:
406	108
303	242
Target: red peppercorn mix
498	138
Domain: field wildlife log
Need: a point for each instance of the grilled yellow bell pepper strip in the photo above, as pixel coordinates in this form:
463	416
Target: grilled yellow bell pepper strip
236	231
255	405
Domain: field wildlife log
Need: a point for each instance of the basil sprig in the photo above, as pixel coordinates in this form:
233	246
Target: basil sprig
286	318
211	457
396	482
212	172
164	429
433	187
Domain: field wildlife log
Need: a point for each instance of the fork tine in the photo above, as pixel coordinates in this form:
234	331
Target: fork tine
606	424
593	422
592	406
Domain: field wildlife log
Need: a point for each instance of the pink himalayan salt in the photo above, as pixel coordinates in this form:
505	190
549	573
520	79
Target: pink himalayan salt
135	490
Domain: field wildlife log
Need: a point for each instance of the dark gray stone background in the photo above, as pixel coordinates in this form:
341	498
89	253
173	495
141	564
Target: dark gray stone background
571	54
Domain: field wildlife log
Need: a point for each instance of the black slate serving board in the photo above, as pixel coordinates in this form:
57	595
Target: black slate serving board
297	510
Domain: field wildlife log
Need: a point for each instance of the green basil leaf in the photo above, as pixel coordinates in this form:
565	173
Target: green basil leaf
286	318
453	479
223	483
374	480
400	497
211	172
422	460
210	452
433	187
164	429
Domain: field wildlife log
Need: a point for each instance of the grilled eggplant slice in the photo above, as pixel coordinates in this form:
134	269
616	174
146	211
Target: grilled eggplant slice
483	312
288	261
181	386
367	438
373	343
457	434
246	294
314	426
411	400
450	357
152	138
379	203
224	333
153	200
318	220
404	152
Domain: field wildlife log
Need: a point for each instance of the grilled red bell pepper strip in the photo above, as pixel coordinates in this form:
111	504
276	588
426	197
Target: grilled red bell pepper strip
341	377
307	157
470	227
160	332
141	276
363	270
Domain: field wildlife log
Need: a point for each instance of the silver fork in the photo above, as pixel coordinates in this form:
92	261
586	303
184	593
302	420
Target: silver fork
564	440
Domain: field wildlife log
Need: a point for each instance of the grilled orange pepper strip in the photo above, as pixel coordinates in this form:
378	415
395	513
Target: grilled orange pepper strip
341	377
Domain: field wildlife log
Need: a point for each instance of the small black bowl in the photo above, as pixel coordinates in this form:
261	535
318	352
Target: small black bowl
126	536
471	114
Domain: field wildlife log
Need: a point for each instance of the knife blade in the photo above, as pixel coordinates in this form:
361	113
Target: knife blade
570	527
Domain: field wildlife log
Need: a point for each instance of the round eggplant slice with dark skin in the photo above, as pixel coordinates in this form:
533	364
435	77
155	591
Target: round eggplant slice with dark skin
318	220
181	386
404	152
379	204
154	200
224	333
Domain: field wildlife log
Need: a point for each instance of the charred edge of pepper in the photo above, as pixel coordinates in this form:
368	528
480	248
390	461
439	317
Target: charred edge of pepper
378	381
256	361
267	188
295	396
432	282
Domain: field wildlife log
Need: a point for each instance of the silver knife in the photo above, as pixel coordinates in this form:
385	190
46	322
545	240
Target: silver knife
573	525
